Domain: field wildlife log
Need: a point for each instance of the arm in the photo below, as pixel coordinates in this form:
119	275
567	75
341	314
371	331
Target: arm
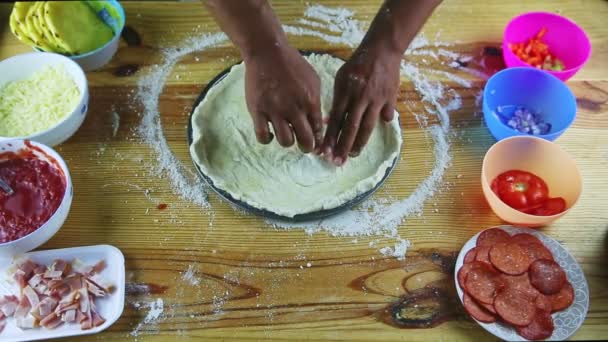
280	86
368	84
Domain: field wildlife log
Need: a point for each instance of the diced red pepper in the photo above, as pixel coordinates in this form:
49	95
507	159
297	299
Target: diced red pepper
536	53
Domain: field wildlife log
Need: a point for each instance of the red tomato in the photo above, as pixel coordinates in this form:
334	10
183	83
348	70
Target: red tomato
551	206
520	189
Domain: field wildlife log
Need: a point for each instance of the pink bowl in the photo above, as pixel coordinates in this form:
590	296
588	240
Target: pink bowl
566	40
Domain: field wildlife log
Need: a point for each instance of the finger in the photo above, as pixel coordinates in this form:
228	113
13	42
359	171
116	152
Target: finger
349	131
283	132
316	123
304	133
336	118
368	123
388	112
262	132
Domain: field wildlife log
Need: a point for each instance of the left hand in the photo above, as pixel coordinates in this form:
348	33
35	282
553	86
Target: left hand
365	89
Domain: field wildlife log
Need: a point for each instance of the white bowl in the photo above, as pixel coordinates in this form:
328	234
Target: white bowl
95	59
23	66
48	229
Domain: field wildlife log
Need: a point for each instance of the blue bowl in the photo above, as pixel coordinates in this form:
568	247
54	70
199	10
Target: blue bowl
530	88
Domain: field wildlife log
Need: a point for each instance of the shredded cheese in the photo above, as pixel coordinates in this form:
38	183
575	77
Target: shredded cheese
37	103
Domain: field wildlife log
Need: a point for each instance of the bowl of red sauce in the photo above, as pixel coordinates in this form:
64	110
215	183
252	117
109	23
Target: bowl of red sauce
41	198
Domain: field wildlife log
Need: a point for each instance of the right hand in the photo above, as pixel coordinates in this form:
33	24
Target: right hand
281	88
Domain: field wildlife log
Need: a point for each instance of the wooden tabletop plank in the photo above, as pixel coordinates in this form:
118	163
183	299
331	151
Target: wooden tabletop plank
256	282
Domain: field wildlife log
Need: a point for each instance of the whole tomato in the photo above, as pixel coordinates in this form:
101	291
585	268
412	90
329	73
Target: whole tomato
520	189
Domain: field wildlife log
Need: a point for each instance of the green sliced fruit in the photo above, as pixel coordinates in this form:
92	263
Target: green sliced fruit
17	22
18	32
45	33
32	31
76	25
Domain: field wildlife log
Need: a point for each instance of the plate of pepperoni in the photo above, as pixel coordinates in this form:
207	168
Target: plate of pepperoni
520	285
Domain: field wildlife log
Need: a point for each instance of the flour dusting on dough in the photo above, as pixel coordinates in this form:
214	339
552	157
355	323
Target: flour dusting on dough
270	177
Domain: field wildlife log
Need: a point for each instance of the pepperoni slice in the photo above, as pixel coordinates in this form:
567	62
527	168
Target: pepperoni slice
476	311
544	303
547	276
536	251
483	283
515	307
509	258
541	327
492	236
563	298
522	283
470	256
483	254
524	238
488	307
462	273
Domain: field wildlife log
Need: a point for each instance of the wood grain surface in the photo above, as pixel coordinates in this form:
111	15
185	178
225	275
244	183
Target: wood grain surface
253	282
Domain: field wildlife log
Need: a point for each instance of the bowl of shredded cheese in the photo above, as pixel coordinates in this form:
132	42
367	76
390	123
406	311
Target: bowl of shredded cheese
43	97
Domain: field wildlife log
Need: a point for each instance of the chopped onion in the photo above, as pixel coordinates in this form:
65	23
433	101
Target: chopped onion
526	121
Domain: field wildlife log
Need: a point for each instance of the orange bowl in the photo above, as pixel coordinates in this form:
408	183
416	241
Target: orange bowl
536	155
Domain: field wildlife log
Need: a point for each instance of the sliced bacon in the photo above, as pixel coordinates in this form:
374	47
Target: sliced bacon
27	267
41	289
35	280
55	275
69	316
47	305
100	282
8	305
94	289
55	283
51	321
26	322
97	319
23	308
20	278
80	317
32	296
84	300
86	324
70	298
74	282
63	307
61	265
39	269
8	308
99	267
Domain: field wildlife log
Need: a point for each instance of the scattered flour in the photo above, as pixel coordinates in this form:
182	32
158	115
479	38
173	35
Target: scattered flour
337	26
190	276
398	251
184	182
155	310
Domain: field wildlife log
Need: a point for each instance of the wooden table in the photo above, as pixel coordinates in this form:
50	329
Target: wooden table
259	283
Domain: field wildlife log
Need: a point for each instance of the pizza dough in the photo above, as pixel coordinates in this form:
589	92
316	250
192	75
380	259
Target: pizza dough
282	180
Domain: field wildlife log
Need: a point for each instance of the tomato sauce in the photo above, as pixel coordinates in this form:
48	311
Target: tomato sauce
38	189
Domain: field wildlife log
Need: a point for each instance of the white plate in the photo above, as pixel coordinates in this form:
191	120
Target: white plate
110	308
566	322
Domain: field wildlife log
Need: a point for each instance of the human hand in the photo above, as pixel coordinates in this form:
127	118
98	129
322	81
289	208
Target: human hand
283	89
365	89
